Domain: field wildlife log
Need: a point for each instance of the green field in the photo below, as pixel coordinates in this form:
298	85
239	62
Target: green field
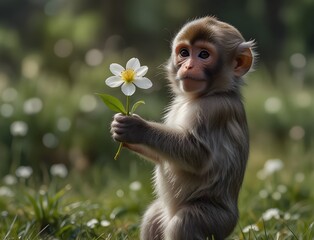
106	199
58	179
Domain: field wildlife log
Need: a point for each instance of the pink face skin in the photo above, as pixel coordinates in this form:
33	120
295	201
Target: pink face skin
191	61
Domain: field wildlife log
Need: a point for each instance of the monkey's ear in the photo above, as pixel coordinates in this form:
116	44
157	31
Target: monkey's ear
243	60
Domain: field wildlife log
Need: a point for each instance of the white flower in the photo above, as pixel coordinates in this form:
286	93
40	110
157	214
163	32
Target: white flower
135	186
24	172
105	223
19	128
271	166
92	223
252	227
129	77
59	170
271	213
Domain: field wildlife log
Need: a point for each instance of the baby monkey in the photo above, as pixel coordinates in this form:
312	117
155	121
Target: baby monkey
201	150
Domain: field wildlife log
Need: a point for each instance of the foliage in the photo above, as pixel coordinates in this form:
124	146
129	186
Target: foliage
54	55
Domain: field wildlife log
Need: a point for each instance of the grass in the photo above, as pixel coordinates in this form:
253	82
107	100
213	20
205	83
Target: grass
70	211
278	205
107	199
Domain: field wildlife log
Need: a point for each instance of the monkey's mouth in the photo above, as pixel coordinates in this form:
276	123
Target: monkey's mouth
192	85
189	78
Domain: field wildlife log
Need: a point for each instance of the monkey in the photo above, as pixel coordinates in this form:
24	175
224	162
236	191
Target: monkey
201	148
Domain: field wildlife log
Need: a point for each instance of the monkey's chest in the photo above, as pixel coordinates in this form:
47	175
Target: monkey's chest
181	116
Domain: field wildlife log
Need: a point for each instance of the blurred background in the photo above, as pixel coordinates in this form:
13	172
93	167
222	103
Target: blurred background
55	55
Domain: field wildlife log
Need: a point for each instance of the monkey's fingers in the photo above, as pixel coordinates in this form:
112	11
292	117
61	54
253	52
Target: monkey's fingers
116	137
118	123
119	131
120	117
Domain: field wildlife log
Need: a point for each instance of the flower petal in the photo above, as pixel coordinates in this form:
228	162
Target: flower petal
143	83
116	69
133	63
128	89
114	81
141	71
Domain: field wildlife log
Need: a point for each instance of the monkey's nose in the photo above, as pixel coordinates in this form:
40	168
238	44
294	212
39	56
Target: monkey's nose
188	65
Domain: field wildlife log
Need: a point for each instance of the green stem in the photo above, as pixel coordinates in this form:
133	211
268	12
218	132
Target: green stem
118	151
127	113
127	105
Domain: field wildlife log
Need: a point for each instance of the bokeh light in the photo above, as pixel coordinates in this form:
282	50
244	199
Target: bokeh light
296	133
298	60
273	105
9	94
19	128
88	103
6	110
33	106
63	124
63	48
94	57
50	140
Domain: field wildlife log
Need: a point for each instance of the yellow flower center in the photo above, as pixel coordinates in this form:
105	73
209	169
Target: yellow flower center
128	75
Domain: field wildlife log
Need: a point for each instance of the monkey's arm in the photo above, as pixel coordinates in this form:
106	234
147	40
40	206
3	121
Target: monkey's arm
156	141
144	151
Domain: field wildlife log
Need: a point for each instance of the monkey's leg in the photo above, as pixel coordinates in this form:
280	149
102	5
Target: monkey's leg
152	223
201	221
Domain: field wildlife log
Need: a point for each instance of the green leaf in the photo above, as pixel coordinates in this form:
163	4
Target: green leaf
35	205
136	105
112	103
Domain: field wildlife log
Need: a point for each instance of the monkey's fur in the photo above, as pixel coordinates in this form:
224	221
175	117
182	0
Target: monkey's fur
201	149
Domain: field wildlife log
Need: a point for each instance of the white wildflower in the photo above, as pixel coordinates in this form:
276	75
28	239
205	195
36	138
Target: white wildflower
129	77
19	128
271	166
252	227
105	223
271	213
135	186
92	223
59	170
24	172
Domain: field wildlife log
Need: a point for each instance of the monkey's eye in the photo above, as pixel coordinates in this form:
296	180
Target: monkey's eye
204	54
184	52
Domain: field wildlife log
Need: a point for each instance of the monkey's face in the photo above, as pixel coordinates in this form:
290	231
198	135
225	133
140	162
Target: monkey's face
194	63
208	56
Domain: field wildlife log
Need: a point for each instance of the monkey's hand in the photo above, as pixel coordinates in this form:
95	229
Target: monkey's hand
128	129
